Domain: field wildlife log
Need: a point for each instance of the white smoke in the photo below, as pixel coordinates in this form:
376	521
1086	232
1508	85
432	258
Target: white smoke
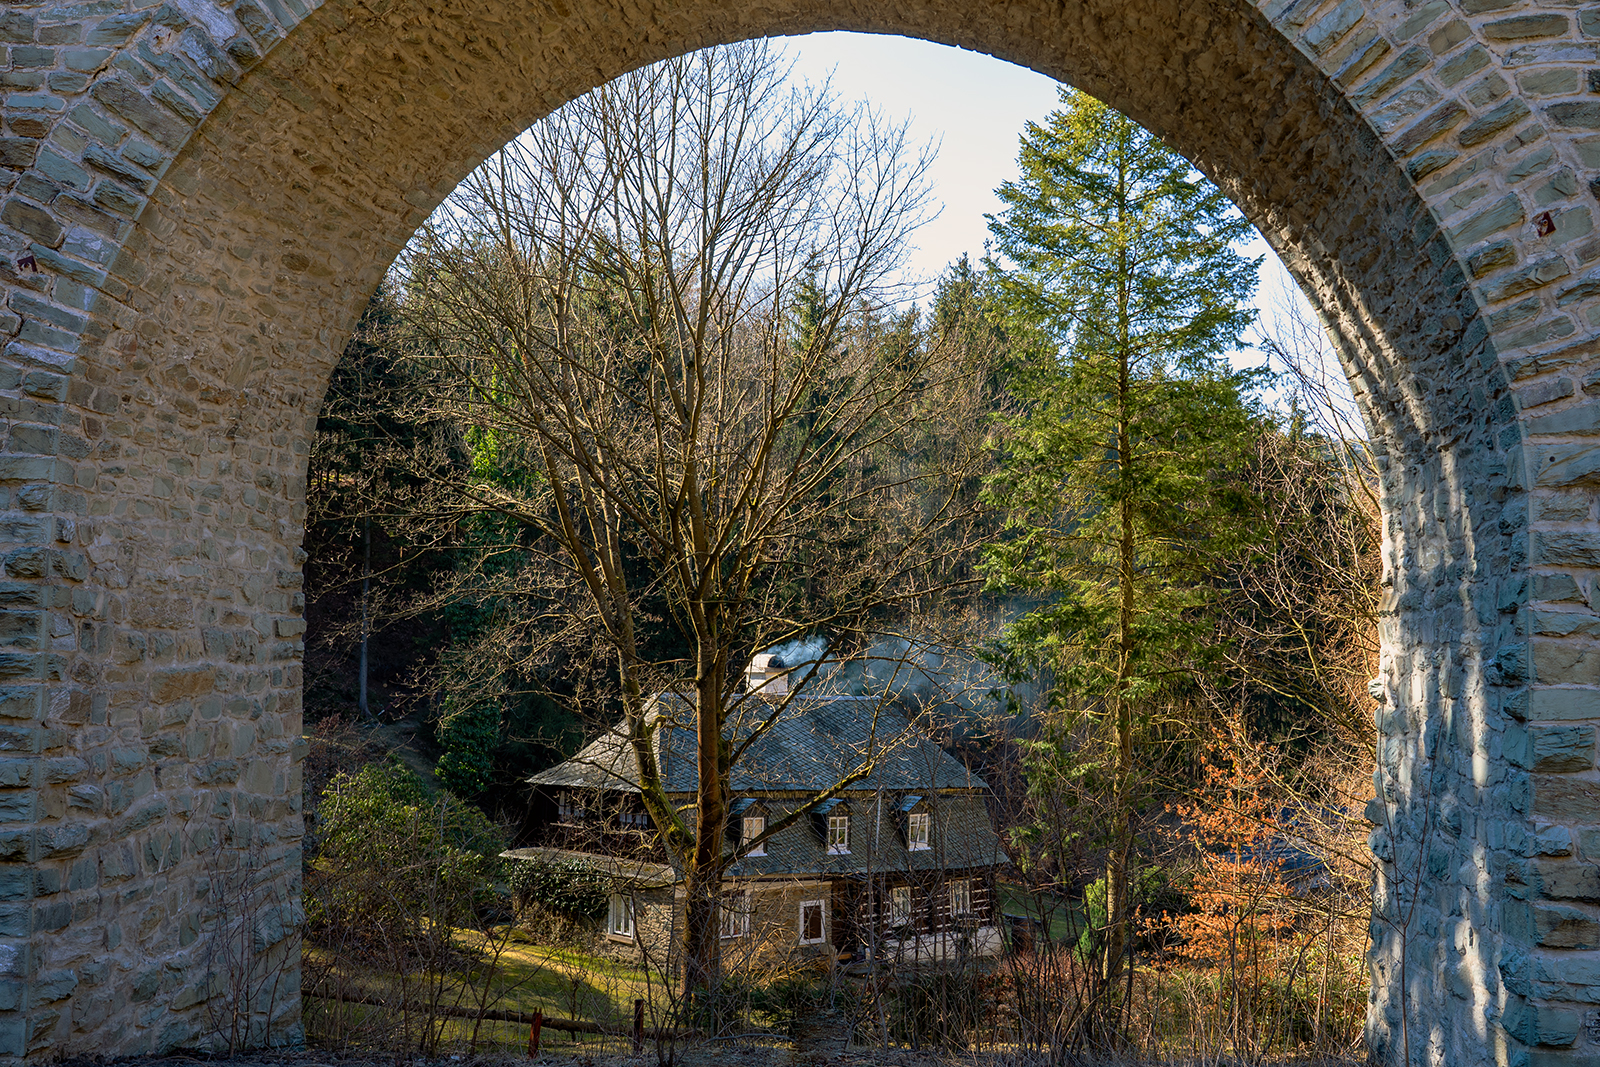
801	652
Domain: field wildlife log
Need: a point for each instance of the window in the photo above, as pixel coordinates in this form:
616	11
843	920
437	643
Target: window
917	831
619	921
900	906
735	915
961	897
754	826
838	835
813	922
635	820
569	808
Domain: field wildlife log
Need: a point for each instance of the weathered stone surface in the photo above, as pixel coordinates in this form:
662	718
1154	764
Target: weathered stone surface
209	191
1563	748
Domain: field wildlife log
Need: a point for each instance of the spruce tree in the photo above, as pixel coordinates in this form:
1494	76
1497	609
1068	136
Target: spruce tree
1121	292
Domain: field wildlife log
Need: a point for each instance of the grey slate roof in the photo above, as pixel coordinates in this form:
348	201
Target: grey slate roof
962	836
814	742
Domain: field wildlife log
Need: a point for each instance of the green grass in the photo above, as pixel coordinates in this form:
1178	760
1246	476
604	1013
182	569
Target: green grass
561	982
1066	917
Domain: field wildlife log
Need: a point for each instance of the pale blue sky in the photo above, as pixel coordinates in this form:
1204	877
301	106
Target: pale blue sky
975	107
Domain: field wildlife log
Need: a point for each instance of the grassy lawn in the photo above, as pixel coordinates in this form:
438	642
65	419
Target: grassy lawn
566	982
1064	914
561	982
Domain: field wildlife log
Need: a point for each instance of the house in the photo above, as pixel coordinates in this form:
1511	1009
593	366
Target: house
900	865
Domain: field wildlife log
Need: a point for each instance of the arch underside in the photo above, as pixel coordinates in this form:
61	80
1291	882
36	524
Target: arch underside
197	387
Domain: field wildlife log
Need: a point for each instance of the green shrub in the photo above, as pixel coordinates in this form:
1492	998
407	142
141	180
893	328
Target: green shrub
1150	891
392	857
571	888
469	738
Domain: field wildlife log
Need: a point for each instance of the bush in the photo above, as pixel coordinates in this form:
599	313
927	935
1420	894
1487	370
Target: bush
1150	891
391	856
469	737
573	889
402	911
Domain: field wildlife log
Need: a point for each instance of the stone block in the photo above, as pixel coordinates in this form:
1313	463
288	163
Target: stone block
32	220
1486	126
1566	880
1503	214
124	98
1558	926
171	685
1524	27
1563	748
1556	704
1436	123
1562	662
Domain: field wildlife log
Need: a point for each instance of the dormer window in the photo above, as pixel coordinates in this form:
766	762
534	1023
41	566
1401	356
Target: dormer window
833	825
919	831
747	817
917	824
838	835
752	827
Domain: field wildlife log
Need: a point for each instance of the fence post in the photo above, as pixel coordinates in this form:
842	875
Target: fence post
533	1033
638	1024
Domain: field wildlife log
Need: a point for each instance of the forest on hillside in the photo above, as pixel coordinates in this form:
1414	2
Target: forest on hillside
647	398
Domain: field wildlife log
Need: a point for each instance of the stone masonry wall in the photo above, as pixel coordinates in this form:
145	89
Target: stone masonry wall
199	195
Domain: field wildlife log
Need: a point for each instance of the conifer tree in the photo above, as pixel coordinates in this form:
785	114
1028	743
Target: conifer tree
1121	291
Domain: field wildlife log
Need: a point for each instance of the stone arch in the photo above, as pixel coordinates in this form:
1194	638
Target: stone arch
202	197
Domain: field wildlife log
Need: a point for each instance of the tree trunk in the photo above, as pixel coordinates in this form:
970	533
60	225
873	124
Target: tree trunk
703	880
366	580
1122	708
702	941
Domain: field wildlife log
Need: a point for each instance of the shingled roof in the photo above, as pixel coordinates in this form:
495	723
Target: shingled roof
962	836
814	742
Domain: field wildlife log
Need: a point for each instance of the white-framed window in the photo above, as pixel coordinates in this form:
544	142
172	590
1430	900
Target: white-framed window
813	922
619	918
919	831
900	906
635	820
838	835
961	896
569	808
735	914
754	826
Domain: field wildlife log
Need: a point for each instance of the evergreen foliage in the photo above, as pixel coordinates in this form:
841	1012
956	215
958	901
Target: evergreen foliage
433	858
469	738
1121	472
571	888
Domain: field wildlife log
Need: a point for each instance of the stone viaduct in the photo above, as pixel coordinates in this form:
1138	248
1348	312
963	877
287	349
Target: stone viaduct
199	195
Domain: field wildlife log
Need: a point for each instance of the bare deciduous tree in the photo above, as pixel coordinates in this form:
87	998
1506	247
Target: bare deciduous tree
659	317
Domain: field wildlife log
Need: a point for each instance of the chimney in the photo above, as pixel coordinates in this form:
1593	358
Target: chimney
767	676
